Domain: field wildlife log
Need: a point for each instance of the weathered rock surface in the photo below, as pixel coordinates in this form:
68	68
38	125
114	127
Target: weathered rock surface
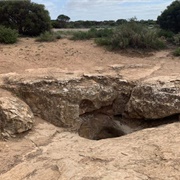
64	100
155	98
50	153
15	116
89	103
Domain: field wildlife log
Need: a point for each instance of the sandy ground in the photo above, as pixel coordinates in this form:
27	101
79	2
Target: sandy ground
84	56
50	153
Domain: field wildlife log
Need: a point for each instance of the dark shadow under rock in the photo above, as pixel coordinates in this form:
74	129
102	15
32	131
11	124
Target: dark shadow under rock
99	126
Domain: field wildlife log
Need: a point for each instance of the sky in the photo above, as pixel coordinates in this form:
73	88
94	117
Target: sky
100	10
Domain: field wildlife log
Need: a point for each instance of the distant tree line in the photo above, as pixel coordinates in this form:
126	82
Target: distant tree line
63	21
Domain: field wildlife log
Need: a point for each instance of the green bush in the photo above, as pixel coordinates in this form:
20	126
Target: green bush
170	36
165	33
132	35
103	41
7	35
48	36
177	52
80	35
135	35
92	33
176	39
57	35
102	32
66	33
127	35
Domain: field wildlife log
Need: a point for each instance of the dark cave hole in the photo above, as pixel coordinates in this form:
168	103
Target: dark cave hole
108	132
150	123
95	129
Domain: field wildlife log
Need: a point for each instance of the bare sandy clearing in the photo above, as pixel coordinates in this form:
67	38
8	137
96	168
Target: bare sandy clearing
82	56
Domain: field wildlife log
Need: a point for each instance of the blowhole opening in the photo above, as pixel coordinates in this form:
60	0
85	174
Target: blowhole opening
108	132
97	126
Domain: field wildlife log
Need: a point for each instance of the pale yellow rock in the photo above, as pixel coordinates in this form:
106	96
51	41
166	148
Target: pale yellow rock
15	116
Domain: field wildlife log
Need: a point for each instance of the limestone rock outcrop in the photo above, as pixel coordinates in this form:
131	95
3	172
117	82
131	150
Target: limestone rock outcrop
90	103
15	116
155	98
63	101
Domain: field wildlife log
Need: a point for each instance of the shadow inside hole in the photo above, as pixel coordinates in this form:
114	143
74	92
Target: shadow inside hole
96	126
103	126
150	123
108	132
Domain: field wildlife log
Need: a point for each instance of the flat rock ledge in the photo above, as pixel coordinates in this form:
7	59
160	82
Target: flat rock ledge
96	105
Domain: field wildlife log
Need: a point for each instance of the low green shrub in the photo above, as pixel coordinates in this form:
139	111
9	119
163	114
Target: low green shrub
102	33
103	41
165	33
57	35
7	35
65	33
132	35
48	36
176	39
92	33
80	35
176	52
127	35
